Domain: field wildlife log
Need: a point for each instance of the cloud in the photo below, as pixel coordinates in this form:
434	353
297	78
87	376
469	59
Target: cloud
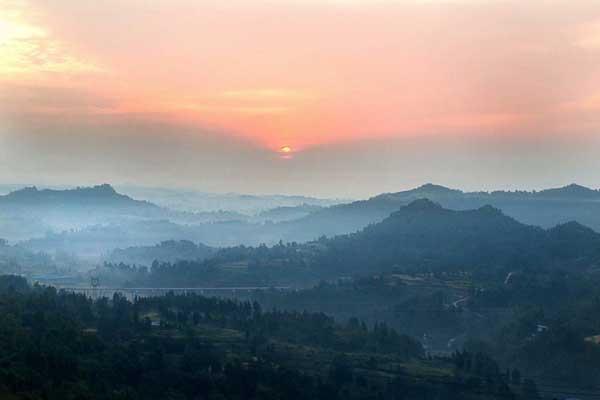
314	72
228	109
27	49
43	99
267	94
589	36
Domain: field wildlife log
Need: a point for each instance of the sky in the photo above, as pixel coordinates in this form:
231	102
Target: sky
339	98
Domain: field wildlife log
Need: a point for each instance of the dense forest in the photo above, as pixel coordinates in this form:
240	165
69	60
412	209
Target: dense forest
541	322
166	251
56	345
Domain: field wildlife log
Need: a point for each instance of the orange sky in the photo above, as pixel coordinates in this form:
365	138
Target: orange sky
301	73
306	73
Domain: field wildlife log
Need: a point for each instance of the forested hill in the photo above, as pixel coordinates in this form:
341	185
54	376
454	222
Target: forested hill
167	251
96	196
90	220
545	208
427	236
31	213
58	345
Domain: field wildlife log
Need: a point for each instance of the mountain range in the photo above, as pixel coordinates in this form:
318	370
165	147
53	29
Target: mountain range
544	208
421	237
96	220
244	204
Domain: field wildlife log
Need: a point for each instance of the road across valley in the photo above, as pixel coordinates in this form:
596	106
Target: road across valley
130	293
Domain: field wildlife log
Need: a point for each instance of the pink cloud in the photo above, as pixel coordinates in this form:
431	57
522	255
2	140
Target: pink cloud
308	73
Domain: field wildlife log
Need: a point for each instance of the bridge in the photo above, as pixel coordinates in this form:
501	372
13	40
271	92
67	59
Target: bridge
131	293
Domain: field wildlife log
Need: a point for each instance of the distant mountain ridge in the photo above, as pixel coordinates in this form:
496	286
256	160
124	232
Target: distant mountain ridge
30	212
100	195
287	213
197	201
570	191
99	219
545	208
430	190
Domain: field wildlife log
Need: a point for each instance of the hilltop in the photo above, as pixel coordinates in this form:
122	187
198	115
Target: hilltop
100	195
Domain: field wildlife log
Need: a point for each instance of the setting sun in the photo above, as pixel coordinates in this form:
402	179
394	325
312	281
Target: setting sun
285	149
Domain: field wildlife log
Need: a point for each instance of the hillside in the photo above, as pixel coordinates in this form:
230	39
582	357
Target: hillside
96	196
423	234
287	213
31	212
84	214
66	346
197	201
545	208
167	251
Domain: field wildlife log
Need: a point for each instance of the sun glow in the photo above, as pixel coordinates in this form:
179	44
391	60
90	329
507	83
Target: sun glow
297	81
27	49
286	152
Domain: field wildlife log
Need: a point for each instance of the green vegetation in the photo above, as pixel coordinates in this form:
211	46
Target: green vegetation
166	251
65	346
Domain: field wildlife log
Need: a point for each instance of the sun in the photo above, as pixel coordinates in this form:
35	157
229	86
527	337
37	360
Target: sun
285	149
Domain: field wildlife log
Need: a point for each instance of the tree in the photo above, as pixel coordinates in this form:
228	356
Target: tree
515	377
530	390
